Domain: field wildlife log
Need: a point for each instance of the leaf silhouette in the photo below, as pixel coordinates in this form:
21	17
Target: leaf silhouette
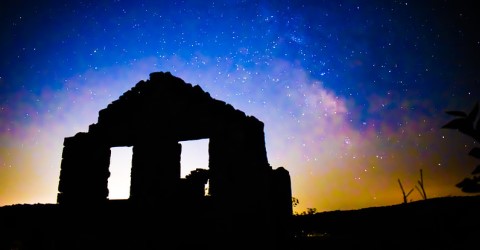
455	124
477	170
475	152
469	185
469	125
457	113
477	128
473	114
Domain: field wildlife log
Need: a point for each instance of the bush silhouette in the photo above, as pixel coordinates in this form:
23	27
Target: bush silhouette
468	124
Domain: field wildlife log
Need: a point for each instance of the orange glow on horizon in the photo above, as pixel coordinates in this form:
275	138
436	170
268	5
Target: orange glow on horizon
333	164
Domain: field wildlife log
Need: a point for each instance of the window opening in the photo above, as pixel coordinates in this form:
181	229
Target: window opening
120	170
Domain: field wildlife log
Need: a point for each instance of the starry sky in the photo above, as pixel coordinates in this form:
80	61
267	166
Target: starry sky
353	94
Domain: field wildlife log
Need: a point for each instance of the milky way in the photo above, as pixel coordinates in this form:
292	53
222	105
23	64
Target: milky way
352	94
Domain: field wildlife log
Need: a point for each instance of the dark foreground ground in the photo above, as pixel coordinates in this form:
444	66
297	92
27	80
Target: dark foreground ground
439	223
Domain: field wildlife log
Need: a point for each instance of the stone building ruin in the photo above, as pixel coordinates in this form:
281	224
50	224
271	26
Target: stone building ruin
246	195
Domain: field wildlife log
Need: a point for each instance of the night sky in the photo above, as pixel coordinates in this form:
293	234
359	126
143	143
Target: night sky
353	94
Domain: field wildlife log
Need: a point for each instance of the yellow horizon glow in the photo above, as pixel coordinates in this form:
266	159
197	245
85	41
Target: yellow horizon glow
333	164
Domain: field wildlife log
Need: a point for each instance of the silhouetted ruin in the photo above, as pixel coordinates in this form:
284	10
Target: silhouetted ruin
248	201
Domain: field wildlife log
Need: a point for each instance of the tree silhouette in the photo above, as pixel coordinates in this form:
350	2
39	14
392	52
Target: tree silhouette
468	124
405	196
295	201
421	190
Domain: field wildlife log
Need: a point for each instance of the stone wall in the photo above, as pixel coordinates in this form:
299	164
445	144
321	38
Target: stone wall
247	196
84	170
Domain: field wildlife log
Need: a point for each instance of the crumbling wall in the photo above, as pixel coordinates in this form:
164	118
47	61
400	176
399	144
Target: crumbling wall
247	197
155	174
84	170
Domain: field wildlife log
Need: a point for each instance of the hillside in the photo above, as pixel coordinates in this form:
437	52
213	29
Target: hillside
438	223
